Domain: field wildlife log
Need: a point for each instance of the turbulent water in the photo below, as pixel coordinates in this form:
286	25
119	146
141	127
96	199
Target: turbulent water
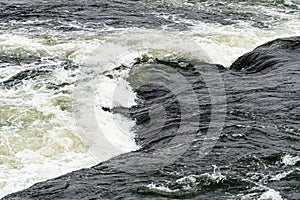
70	74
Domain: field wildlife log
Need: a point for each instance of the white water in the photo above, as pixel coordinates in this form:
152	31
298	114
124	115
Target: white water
40	140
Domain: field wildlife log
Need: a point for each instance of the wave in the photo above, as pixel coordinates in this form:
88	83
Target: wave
261	118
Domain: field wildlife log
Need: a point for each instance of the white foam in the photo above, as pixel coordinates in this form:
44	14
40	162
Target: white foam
39	142
224	44
116	128
216	175
187	179
29	167
22	45
280	176
187	182
270	195
162	188
160	44
290	160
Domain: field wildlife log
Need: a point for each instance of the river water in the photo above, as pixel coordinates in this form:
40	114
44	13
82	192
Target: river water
54	59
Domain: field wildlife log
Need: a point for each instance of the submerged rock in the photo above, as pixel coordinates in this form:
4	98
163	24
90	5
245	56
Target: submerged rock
262	116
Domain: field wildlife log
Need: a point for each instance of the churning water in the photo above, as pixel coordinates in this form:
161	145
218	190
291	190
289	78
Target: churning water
56	76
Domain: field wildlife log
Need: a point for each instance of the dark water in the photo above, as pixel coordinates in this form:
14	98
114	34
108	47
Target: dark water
204	131
99	14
